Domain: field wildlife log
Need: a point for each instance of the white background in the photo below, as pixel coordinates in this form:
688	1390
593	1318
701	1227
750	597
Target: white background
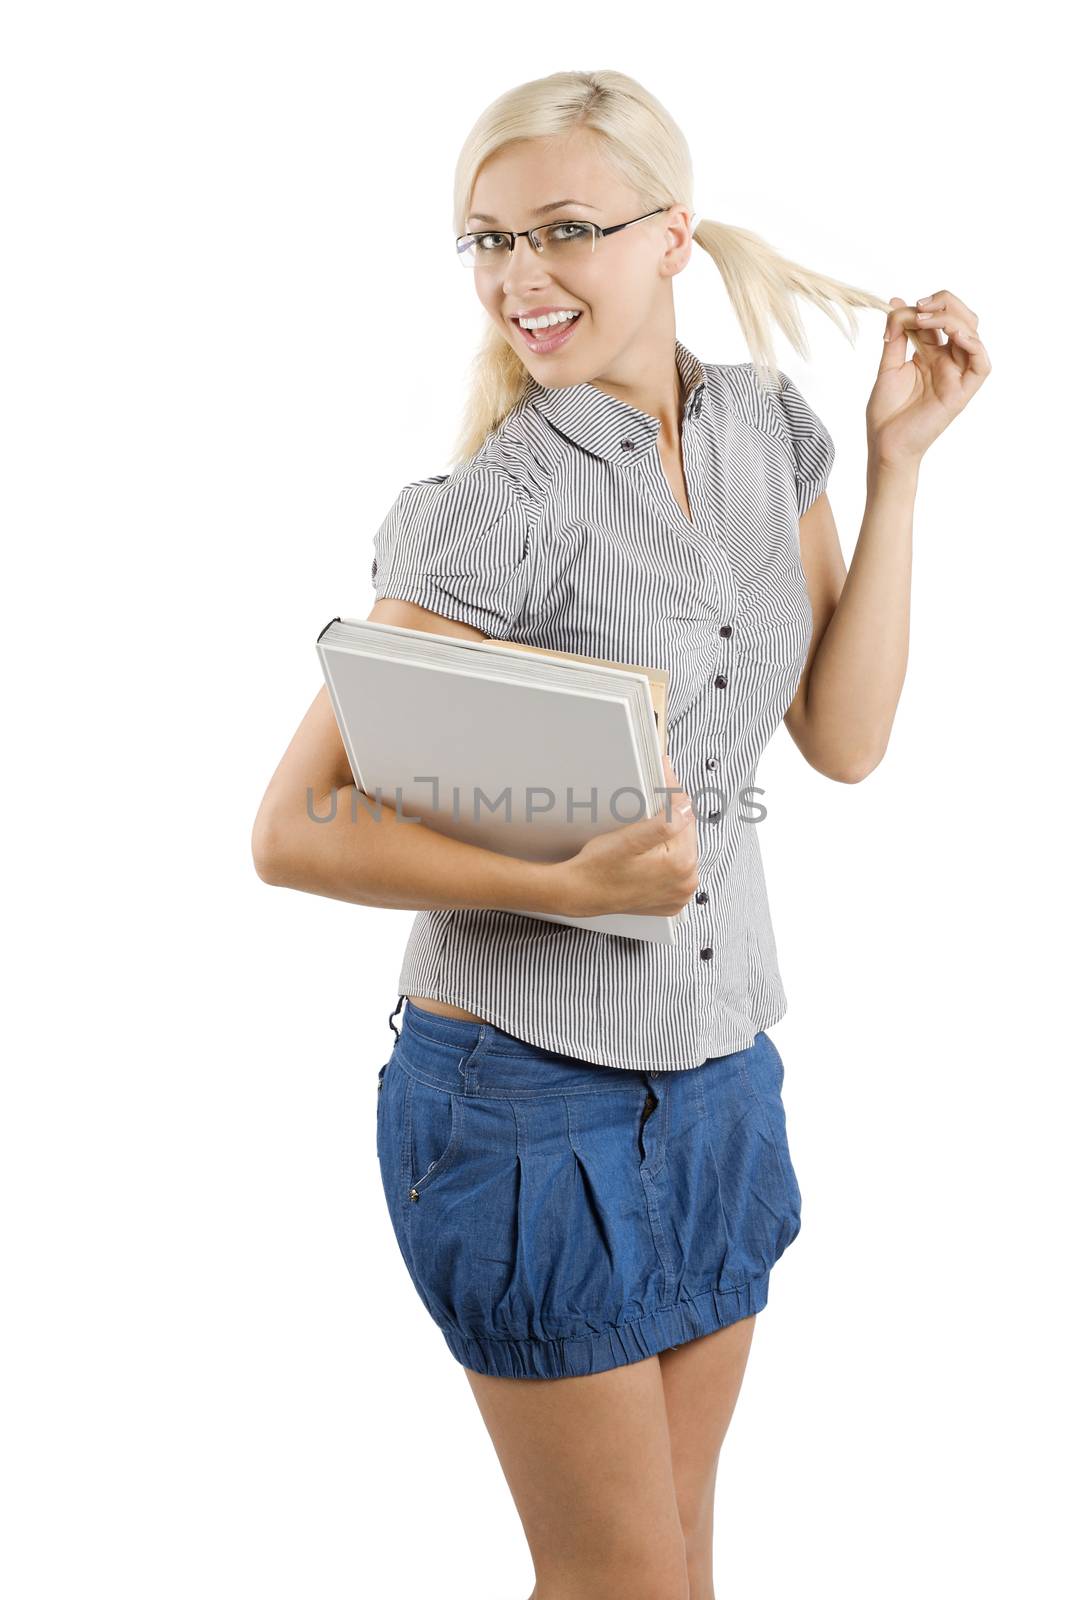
234	326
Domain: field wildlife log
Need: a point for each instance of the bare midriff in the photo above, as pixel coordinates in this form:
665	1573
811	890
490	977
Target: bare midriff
443	1009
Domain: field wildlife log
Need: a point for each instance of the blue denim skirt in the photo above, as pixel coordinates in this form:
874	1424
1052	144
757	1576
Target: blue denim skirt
559	1218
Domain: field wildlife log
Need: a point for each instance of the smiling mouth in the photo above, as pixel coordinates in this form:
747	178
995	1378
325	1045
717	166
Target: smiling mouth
543	340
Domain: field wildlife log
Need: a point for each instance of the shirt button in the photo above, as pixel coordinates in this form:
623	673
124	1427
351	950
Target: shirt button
712	816
707	952
719	682
628	444
373	570
702	897
711	762
725	632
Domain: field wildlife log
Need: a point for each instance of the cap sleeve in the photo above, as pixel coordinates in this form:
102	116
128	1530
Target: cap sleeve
456	544
812	449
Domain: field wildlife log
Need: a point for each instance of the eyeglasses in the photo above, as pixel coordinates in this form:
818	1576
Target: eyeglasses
556	242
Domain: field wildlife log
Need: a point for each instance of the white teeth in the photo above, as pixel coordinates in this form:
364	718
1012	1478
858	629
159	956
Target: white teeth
550	321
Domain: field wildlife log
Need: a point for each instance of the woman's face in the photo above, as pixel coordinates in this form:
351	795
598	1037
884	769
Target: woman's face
622	290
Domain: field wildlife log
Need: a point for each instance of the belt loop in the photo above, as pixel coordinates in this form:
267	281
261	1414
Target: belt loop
471	1061
391	1024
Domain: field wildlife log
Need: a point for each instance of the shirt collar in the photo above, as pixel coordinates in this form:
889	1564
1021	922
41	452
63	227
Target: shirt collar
606	426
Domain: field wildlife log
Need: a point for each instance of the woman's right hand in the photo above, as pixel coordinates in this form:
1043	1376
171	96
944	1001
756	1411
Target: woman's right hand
648	867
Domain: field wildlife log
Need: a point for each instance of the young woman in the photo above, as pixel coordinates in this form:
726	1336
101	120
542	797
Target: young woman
582	1138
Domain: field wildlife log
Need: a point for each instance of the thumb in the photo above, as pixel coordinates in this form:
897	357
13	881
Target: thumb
896	346
676	803
671	777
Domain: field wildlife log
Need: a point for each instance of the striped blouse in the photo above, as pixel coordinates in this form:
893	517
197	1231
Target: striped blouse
563	532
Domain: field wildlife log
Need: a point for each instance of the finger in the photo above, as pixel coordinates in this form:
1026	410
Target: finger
943	300
903	319
978	363
903	326
671	777
895	343
947	320
675	797
925	325
954	331
670	826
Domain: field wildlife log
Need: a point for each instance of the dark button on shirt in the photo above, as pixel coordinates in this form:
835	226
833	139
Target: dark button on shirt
707	952
563	531
725	632
702	897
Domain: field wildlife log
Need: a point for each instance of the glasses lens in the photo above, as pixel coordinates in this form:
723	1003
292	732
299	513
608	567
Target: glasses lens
483	250
566	241
559	242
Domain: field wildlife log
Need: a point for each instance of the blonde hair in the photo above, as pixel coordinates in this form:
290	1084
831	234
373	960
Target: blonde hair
642	143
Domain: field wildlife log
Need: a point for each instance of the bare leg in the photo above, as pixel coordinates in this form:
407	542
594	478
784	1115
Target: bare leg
701	1382
589	1462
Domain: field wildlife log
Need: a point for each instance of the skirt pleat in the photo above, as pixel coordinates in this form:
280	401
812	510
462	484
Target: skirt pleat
559	1218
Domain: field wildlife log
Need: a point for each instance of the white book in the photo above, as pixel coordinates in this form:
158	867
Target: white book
501	745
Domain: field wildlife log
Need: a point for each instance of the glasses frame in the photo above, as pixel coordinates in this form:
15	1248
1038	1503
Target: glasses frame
532	234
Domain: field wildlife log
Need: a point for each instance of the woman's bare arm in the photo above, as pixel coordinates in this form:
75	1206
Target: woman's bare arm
648	866
379	861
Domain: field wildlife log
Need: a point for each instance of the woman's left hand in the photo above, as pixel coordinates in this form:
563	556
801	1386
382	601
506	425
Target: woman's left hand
913	401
